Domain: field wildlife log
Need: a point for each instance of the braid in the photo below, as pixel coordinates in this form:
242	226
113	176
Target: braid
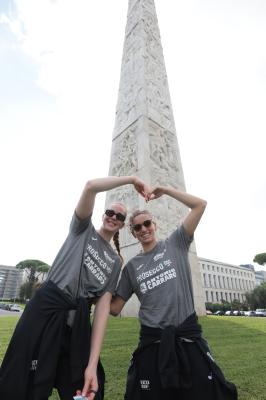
117	245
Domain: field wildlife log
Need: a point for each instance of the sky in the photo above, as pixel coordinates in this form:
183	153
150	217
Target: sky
60	66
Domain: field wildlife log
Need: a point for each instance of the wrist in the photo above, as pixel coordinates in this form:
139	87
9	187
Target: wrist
133	179
92	364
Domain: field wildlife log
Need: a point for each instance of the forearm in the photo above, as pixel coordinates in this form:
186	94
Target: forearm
86	202
108	183
185	198
101	314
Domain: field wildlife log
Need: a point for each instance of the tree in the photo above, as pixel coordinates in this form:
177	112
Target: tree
33	268
257	298
260	258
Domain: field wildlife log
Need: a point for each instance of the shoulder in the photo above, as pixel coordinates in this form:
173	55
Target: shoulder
79	225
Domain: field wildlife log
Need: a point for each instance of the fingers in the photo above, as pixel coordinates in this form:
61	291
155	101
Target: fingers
146	191
91	395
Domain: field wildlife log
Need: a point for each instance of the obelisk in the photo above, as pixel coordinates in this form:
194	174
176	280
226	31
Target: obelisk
144	139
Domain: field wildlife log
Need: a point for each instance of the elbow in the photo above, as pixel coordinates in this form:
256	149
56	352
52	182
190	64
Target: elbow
116	306
113	311
92	186
89	186
204	204
200	206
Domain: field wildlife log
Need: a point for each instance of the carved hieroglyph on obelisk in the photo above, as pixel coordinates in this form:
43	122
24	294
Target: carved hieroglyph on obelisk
144	138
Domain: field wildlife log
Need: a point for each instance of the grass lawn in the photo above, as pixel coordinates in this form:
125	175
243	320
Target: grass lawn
238	344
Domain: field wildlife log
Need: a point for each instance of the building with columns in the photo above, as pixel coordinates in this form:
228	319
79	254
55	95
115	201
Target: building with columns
11	279
225	282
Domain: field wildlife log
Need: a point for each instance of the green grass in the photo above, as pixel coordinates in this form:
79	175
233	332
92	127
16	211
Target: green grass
238	345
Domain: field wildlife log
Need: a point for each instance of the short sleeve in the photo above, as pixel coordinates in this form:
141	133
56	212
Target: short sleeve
125	288
78	225
180	238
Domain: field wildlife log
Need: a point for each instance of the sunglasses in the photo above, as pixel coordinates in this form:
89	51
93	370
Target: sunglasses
147	223
120	217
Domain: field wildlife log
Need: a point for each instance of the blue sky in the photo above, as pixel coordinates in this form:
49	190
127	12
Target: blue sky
59	77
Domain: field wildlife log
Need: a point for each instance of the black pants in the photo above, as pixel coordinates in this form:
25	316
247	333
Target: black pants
63	381
147	385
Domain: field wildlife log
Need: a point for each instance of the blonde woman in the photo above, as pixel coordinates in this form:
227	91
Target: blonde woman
53	344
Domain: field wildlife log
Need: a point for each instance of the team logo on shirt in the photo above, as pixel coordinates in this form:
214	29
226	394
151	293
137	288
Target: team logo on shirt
140	266
143	287
108	257
94	238
158	256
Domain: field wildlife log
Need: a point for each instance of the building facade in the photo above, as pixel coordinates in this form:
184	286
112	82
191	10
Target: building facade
226	282
10	281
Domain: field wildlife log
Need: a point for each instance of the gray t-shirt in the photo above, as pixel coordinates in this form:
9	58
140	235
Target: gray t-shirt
161	279
86	265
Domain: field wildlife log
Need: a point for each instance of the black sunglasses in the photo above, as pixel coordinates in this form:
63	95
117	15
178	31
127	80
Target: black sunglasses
119	216
147	223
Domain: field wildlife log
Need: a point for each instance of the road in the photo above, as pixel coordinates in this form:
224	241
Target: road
5	313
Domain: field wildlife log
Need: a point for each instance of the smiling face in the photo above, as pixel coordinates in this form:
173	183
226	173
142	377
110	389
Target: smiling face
143	228
111	223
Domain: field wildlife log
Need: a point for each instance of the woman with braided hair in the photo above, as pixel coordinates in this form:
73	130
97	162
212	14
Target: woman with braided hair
53	344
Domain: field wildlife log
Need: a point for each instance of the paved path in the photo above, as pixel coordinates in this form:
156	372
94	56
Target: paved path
5	313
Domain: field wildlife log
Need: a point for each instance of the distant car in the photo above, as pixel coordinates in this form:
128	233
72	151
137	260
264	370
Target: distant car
236	313
4	306
250	314
260	312
15	307
209	312
219	312
229	312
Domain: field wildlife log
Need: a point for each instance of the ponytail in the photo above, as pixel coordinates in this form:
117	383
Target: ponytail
117	245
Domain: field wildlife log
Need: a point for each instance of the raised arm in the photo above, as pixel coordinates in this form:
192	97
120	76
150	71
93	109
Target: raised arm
196	205
86	202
